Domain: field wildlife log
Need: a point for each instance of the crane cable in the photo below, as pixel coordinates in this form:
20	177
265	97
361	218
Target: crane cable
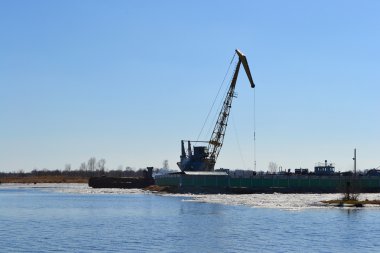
238	142
254	134
213	103
217	111
254	130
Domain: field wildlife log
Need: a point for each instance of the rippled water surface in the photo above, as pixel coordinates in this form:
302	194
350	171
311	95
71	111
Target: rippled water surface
75	218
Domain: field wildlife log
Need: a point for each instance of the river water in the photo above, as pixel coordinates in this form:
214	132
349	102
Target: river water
75	218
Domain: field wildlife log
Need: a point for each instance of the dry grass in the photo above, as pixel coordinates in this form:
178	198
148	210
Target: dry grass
43	179
157	188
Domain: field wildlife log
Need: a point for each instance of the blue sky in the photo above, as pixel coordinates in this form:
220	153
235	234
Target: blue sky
127	80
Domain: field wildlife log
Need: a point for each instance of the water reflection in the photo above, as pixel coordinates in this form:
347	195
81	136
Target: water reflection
352	211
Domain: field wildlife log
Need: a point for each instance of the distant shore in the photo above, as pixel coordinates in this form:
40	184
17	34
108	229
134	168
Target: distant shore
43	179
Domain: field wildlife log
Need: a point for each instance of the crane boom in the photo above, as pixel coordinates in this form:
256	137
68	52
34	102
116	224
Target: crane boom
216	141
246	67
204	158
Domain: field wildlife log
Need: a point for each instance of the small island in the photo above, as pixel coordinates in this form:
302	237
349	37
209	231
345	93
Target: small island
350	198
351	203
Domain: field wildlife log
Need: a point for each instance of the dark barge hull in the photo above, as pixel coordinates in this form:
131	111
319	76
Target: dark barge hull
123	182
120	182
217	183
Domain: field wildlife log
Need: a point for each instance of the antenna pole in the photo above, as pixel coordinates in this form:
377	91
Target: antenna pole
354	161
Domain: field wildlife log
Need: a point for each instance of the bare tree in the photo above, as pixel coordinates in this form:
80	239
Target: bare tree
272	167
83	167
67	167
21	173
101	163
91	164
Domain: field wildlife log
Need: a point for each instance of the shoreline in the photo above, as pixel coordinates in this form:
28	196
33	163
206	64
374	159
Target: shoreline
42	179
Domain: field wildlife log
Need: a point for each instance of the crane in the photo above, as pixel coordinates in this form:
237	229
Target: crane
203	158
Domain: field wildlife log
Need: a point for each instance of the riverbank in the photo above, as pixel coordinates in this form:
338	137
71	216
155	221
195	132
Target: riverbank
43	179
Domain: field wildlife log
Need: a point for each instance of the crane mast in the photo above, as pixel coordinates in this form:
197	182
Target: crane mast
216	141
204	158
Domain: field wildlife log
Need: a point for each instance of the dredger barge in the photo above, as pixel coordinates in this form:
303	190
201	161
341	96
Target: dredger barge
198	175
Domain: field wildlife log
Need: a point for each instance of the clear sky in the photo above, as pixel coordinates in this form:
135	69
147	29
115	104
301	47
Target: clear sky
127	80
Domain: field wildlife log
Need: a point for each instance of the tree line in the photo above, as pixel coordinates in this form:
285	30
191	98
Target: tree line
92	167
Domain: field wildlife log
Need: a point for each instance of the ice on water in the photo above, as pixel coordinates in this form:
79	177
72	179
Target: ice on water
276	200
